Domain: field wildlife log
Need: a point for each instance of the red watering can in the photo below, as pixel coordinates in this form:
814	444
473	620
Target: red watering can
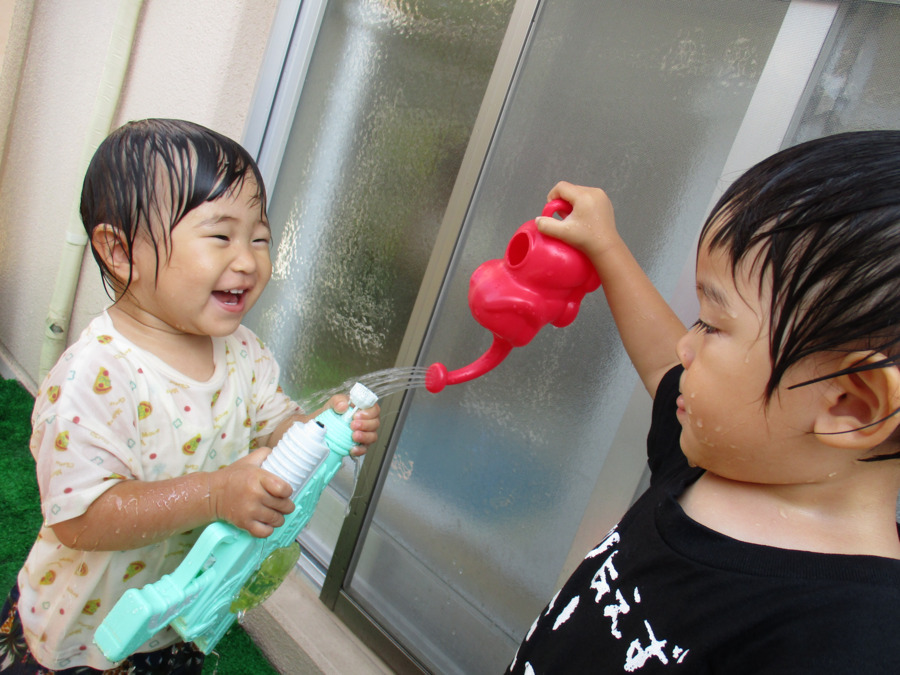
539	280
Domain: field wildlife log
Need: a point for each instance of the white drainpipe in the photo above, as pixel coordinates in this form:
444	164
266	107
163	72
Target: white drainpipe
111	83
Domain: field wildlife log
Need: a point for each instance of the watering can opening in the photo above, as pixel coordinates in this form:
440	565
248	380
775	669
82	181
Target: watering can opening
518	248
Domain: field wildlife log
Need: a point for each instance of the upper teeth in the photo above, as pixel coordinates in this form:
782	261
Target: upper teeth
236	292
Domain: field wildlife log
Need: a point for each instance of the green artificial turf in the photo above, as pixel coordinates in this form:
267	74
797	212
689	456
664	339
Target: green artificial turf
20	519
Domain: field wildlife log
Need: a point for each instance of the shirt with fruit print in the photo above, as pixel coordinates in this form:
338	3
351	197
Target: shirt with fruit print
110	411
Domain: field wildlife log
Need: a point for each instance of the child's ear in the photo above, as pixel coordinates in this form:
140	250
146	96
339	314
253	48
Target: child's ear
109	243
858	413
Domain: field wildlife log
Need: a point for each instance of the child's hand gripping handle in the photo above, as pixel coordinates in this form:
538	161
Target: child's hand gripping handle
228	570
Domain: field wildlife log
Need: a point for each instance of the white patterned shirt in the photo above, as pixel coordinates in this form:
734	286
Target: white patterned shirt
110	411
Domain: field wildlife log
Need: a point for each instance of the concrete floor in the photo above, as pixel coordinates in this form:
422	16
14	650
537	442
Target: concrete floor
300	636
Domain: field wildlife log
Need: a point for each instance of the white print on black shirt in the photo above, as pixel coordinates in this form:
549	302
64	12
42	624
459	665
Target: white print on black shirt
619	601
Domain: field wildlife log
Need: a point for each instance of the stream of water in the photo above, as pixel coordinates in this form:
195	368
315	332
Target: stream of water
380	382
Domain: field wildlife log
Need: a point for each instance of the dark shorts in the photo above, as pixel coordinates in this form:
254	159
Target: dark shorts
15	658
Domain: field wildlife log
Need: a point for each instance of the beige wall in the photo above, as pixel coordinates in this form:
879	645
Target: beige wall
195	60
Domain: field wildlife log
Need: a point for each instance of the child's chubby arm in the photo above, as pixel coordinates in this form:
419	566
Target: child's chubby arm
133	513
365	424
647	325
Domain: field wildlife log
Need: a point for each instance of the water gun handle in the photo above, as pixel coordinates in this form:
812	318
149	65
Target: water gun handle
141	613
202	597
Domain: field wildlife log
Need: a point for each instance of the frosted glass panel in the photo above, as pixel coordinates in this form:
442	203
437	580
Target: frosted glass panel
859	87
384	118
490	479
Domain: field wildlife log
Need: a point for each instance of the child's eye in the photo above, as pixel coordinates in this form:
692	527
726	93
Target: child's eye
221	237
704	327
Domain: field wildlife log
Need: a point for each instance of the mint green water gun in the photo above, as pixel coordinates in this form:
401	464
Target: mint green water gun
229	571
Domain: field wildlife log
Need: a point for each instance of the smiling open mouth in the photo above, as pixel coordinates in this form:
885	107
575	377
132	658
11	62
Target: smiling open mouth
232	298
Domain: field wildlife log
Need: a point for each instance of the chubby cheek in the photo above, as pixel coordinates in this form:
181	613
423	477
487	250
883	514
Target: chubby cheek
191	270
263	276
696	443
265	271
699	447
714	440
714	405
697	423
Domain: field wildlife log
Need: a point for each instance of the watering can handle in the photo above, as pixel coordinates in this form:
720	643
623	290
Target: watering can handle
560	206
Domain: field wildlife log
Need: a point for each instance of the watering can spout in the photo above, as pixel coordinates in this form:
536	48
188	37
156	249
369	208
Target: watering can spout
437	377
539	280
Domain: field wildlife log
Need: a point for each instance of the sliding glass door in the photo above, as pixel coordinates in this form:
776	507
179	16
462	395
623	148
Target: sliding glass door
422	135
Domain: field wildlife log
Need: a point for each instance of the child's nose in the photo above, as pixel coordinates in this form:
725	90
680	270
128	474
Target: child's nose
244	260
685	350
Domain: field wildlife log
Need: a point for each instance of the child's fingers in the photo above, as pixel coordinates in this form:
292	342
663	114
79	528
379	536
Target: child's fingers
562	190
368	413
365	425
551	227
278	488
339	403
249	497
261	529
365	437
364	440
256	457
564	230
367	420
262	518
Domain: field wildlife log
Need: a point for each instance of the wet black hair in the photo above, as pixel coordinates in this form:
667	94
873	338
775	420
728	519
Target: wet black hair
156	171
821	220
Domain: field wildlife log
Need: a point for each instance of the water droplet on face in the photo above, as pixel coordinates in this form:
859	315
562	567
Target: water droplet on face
699	424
